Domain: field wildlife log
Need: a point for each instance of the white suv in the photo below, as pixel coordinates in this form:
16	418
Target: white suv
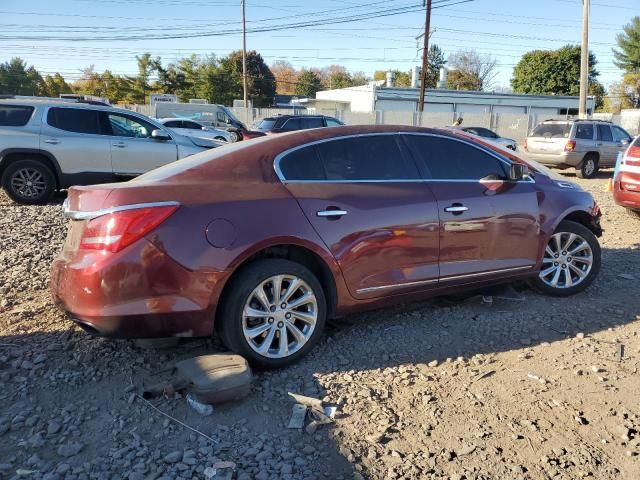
49	145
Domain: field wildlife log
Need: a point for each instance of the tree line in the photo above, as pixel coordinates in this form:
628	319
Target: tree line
219	80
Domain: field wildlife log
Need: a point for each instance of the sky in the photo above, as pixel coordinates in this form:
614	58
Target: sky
64	35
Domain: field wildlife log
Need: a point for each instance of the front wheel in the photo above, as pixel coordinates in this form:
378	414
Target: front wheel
274	313
571	261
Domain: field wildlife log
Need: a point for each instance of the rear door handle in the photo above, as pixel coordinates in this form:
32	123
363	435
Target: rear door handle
331	213
51	141
119	144
456	208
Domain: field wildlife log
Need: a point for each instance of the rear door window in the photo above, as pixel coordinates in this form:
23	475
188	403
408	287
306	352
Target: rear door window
604	133
292	124
332	122
173	124
552	130
191	125
266	124
448	159
14	115
584	131
312	122
76	120
370	157
302	164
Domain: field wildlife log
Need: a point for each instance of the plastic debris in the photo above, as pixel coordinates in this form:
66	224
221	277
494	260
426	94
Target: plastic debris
297	416
202	408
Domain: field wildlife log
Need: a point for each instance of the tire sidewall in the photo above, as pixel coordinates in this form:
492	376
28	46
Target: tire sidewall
42	168
230	327
596	166
587	235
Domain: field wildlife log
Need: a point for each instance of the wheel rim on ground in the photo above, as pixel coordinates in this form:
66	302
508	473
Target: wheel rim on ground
28	183
279	316
589	166
567	260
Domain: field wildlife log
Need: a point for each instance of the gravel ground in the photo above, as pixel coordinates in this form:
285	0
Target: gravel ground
462	389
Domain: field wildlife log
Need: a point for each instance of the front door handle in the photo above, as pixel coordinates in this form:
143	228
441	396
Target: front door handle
51	141
119	144
456	208
331	213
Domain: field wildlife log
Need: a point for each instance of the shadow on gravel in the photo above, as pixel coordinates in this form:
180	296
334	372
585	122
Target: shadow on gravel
87	385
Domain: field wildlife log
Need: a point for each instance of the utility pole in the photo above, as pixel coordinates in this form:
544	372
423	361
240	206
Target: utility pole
584	60
244	61
425	60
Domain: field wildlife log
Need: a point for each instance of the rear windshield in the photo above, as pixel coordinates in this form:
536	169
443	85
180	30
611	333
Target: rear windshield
14	115
552	130
266	124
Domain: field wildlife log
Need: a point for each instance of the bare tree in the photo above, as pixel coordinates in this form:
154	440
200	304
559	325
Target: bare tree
471	71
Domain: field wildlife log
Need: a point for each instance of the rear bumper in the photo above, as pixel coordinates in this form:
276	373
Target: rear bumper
138	293
626	198
562	160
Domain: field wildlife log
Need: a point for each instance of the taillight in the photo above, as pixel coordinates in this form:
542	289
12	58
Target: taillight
571	144
633	153
114	231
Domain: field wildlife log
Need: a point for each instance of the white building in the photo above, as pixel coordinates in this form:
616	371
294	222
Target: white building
371	98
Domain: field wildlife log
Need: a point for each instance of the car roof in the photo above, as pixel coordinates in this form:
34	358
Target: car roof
300	115
61	103
168	119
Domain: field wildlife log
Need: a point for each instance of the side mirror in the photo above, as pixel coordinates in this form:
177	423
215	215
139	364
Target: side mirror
625	141
517	172
158	134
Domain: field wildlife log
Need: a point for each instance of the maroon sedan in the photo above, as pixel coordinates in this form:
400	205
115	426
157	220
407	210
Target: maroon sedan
260	242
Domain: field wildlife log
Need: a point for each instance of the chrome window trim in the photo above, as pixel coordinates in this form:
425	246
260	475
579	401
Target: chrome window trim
80	215
444	279
280	156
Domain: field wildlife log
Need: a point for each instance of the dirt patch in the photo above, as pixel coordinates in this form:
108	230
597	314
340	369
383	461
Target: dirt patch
540	388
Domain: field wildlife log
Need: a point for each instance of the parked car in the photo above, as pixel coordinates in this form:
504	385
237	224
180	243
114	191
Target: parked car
49	145
260	242
586	145
191	128
288	123
626	184
492	137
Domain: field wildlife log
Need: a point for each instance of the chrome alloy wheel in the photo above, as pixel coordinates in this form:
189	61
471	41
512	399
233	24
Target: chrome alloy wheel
279	316
589	166
28	183
567	260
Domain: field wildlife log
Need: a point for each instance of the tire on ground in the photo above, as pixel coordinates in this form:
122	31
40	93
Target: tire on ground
229	319
585	170
578	229
33	165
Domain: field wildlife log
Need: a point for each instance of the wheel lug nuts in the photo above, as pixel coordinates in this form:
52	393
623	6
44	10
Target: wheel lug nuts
564	253
556	255
270	320
273	309
280	324
283	306
556	263
287	316
564	266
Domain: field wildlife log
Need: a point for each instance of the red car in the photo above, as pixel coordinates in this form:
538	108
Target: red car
626	184
260	242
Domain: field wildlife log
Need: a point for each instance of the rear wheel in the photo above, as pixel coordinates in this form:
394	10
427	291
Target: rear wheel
274	313
571	261
589	167
29	182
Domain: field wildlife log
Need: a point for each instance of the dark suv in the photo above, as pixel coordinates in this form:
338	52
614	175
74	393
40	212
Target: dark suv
262	241
288	123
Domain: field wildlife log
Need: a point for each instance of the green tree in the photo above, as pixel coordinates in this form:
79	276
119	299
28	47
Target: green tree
53	86
336	76
18	79
308	84
403	79
435	59
550	72
627	58
359	78
140	83
598	91
260	80
620	96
